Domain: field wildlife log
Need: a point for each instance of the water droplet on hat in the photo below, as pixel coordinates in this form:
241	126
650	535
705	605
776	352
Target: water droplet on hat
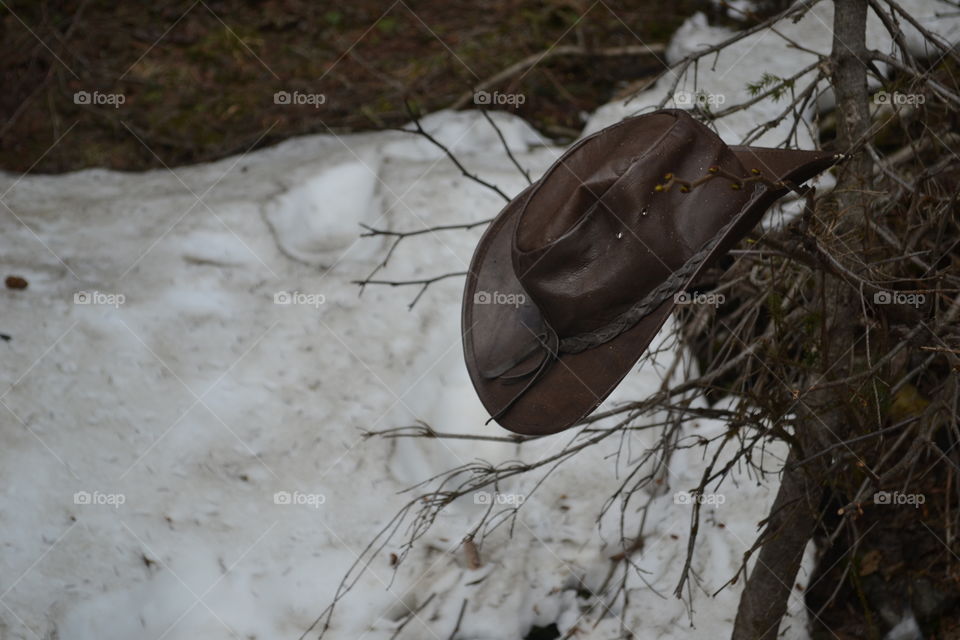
619	234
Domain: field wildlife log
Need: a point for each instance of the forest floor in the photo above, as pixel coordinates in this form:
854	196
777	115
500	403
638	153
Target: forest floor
137	86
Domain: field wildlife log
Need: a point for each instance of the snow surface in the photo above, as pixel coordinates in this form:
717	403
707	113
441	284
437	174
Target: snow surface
184	403
771	51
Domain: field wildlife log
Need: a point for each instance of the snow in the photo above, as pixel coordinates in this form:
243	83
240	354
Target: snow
184	456
316	228
727	75
197	399
906	629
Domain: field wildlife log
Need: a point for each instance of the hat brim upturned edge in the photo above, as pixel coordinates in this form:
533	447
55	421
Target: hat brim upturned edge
576	384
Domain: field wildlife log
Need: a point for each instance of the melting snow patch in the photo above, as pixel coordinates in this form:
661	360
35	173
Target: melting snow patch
318	220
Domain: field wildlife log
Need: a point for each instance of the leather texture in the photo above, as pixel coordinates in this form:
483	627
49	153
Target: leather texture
592	237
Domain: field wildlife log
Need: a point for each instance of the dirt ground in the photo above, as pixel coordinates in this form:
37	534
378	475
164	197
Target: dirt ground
134	85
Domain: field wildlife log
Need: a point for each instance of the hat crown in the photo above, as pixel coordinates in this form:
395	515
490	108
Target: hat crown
574	277
596	236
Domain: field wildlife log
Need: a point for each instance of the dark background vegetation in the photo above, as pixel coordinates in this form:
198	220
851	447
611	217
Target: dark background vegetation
199	76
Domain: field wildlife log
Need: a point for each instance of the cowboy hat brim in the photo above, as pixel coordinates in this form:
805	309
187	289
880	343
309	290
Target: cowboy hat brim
577	383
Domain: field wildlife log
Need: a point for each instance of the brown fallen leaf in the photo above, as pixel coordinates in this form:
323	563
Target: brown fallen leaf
472	553
16	282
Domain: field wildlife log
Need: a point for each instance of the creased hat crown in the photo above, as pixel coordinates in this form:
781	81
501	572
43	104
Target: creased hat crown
596	236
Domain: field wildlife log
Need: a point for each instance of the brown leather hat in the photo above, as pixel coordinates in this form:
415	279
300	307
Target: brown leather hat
573	279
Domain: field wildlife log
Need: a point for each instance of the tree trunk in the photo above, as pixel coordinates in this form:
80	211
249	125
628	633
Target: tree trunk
787	532
795	511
